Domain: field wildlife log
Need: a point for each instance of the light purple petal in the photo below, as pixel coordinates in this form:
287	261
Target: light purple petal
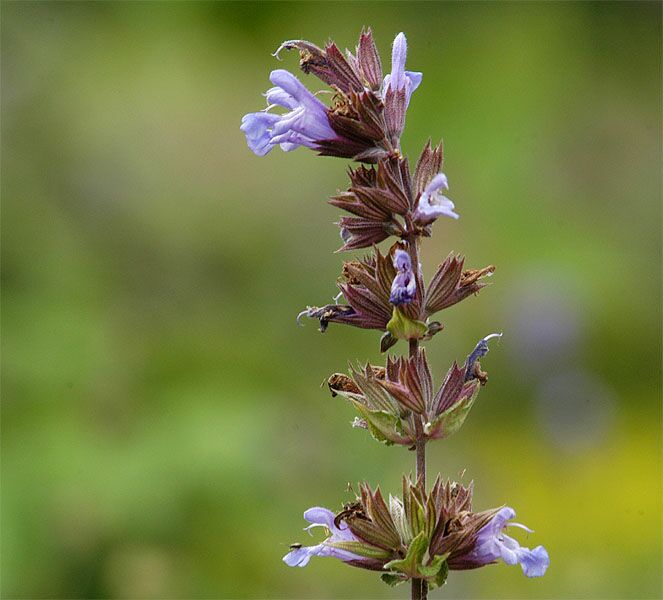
402	260
404	285
440	181
499	521
399	78
492	543
300	556
290	84
279	96
305	123
256	127
415	80
535	562
398	57
508	549
320	516
432	204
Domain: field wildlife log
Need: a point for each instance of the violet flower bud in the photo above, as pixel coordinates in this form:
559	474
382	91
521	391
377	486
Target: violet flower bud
397	89
399	78
404	286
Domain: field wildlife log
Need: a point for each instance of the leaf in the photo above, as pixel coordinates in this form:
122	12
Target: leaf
450	421
369	59
415	553
434	567
361	549
442	574
404	328
393	579
384	427
371	533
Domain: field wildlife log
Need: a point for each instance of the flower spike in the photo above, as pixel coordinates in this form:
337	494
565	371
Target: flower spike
423	534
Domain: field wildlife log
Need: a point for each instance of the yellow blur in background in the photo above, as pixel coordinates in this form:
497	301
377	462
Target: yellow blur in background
163	427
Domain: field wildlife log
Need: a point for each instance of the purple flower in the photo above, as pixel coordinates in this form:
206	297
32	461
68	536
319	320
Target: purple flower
304	124
404	286
493	544
322	517
432	204
399	78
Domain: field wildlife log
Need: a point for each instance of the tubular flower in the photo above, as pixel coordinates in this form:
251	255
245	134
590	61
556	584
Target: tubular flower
404	286
432	204
397	89
322	517
305	124
492	544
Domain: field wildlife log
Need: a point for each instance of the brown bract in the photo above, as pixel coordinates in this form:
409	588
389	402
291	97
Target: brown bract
391	399
415	535
366	285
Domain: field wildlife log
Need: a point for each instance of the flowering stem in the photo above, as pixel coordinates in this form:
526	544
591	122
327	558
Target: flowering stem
419	586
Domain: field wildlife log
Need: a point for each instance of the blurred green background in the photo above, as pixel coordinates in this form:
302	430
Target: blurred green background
163	425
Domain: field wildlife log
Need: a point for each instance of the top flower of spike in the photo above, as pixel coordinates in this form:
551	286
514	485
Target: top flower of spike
367	115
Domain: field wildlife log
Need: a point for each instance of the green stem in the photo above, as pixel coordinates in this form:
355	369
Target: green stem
419	586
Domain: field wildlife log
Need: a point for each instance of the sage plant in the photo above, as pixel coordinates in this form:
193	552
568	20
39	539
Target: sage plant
423	534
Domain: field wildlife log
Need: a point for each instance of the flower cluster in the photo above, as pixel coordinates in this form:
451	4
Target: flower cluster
368	114
421	535
390	400
418	536
388	294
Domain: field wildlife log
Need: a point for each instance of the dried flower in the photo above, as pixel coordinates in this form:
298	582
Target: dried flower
480	350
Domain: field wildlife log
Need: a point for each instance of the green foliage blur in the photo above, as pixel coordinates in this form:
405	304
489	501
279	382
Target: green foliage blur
163	424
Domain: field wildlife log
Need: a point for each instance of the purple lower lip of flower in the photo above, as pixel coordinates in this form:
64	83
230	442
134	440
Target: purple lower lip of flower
322	517
493	544
305	123
404	286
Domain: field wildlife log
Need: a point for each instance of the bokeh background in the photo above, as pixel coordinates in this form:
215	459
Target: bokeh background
163	425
